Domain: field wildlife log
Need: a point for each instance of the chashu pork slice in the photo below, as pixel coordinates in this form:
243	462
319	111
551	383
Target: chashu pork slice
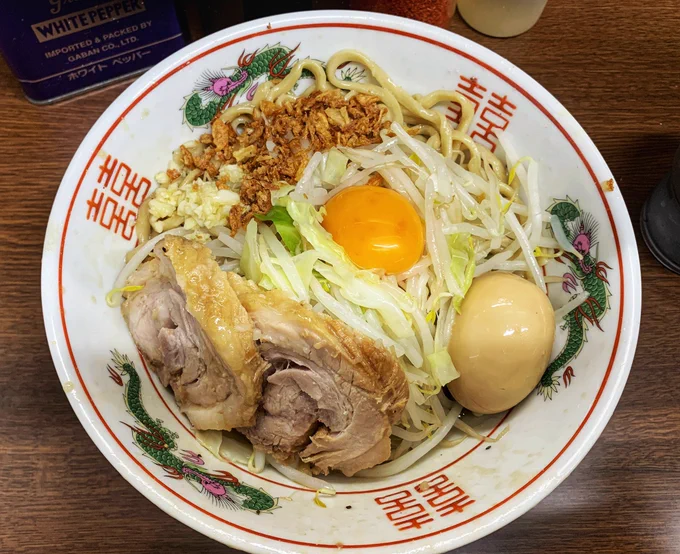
331	394
191	328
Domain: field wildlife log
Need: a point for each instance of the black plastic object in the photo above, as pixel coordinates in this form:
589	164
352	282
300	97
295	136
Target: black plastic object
660	219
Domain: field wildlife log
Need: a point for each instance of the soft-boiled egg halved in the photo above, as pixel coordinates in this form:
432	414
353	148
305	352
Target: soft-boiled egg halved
377	227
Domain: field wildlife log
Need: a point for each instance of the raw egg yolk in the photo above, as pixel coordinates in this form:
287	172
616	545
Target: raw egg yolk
377	227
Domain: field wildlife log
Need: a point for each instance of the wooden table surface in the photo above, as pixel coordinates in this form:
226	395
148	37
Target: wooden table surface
615	64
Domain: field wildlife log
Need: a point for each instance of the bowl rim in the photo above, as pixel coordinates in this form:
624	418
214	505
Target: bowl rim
629	317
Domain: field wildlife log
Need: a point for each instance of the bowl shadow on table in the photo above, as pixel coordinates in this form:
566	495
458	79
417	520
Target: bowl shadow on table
583	507
633	160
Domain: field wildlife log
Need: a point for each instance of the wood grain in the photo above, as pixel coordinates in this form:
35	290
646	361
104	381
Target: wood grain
614	65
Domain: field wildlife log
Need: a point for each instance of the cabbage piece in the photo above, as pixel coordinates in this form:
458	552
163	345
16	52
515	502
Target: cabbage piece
336	164
462	252
344	313
308	221
280	196
362	288
250	258
370	295
441	367
325	285
283	259
284	227
271	267
304	263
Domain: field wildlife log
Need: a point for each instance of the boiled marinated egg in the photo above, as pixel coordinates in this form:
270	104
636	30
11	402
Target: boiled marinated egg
377	227
500	343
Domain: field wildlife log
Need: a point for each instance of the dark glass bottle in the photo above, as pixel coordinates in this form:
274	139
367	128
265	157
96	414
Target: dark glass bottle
660	219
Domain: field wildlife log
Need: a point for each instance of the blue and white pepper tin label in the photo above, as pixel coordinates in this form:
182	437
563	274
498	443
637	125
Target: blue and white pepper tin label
59	47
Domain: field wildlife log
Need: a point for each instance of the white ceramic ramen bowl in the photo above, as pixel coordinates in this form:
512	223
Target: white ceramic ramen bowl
472	489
